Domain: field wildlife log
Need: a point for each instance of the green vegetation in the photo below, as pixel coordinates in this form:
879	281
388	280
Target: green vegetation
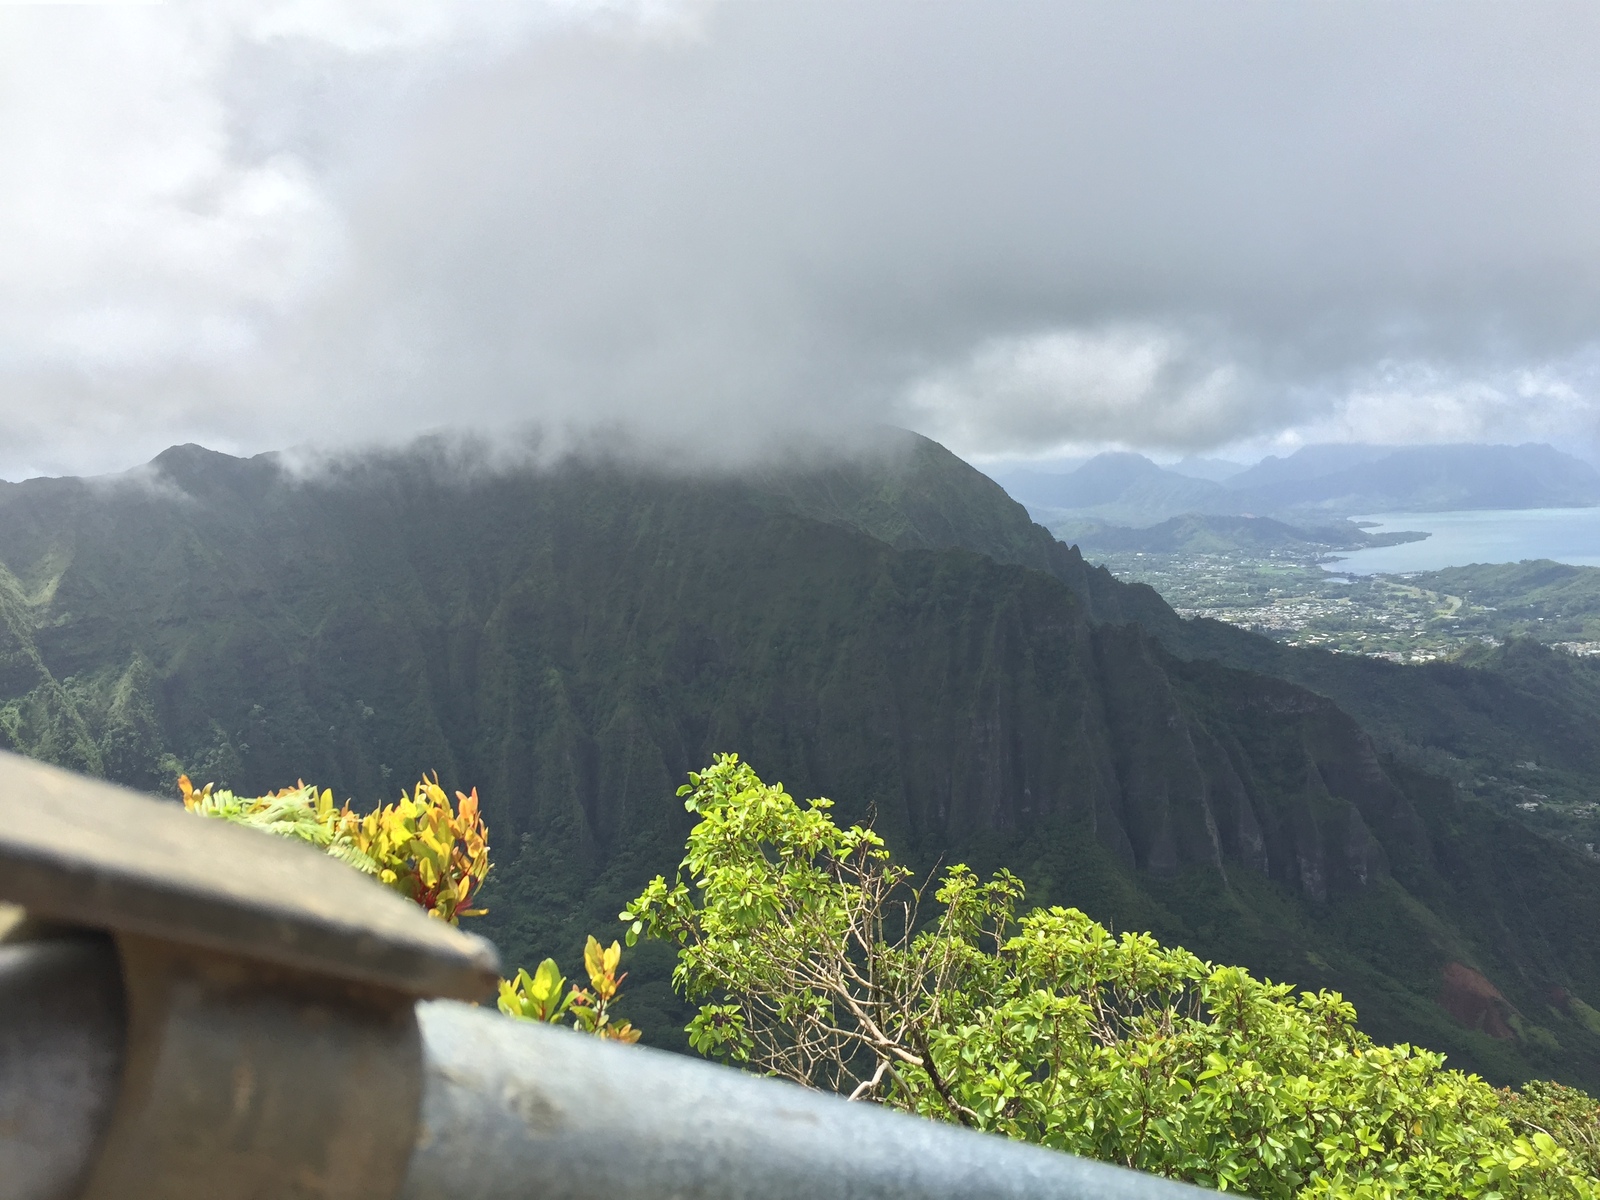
810	956
1566	1114
893	631
1548	601
421	846
544	996
436	856
1515	732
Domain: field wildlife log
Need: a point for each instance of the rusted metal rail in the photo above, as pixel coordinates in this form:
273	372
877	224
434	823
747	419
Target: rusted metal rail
191	1011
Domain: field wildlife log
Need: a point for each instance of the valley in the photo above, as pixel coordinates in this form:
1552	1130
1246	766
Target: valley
1298	596
1295	596
1294	599
1264	548
890	631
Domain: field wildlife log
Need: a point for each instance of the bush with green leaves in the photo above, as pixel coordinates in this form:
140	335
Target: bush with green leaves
812	957
544	995
1570	1116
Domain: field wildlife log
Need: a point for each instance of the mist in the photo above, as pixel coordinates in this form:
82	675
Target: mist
709	232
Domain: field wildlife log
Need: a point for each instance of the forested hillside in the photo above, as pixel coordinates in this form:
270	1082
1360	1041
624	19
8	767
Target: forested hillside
572	640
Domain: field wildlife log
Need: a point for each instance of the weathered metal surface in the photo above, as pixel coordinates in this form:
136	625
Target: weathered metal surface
61	1037
519	1111
80	850
240	1084
246	1084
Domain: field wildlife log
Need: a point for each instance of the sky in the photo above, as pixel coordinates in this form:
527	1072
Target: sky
710	230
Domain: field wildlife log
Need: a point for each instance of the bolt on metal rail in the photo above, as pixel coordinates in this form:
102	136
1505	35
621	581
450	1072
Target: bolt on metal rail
191	1011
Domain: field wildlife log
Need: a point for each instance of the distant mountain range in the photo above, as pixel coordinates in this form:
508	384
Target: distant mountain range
1214	469
1118	488
1311	485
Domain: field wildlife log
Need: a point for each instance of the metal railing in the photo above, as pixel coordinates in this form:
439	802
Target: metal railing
191	1011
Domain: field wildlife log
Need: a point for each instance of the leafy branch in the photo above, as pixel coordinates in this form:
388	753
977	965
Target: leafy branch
540	996
814	956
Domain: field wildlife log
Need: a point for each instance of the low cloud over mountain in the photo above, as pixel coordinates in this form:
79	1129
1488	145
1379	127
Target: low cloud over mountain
1021	228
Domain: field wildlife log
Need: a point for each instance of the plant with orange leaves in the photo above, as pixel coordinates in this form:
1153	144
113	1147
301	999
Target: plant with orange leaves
427	849
436	854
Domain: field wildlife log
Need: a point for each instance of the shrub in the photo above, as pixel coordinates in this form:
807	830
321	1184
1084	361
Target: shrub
437	855
539	997
812	958
421	846
1568	1115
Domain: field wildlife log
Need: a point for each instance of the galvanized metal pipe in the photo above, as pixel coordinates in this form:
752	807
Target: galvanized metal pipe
238	1018
514	1110
517	1111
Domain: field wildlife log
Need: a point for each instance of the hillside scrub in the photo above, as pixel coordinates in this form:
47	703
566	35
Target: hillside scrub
1570	1116
812	957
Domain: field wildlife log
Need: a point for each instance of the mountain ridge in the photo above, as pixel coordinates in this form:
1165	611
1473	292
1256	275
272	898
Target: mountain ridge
892	632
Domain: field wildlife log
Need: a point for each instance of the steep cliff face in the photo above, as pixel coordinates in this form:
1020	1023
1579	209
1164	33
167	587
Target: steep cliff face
573	641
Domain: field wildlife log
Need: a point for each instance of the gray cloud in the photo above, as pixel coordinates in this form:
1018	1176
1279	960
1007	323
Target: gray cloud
1022	228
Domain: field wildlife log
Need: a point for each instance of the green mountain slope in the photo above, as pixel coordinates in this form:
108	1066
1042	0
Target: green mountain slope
1518	724
1537	598
572	641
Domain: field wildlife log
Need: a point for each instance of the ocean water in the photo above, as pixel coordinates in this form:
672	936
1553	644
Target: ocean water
1569	535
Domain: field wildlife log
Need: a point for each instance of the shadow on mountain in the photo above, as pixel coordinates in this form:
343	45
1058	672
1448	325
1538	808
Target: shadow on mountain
893	632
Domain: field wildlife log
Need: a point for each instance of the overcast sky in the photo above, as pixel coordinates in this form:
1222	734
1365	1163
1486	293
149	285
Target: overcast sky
1022	228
